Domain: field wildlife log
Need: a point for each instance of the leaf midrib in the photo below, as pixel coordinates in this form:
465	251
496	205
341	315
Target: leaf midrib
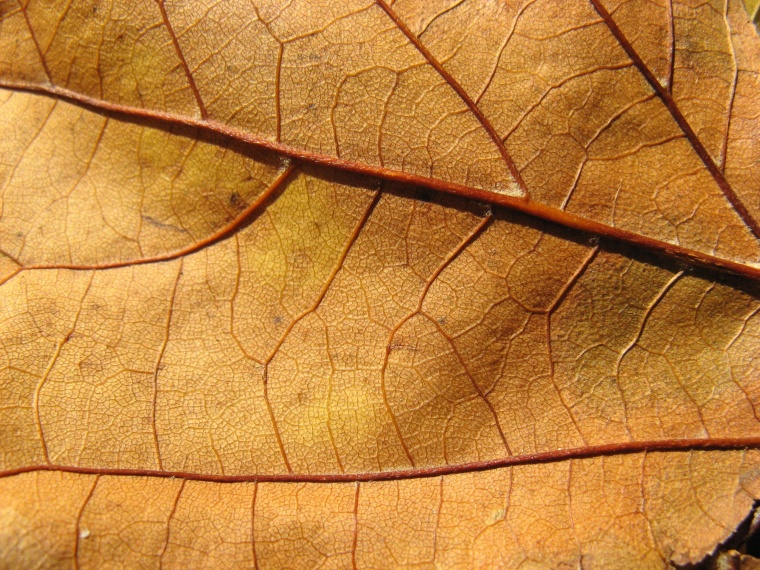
169	122
553	456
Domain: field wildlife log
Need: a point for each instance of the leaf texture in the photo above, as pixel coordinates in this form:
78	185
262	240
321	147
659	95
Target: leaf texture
353	284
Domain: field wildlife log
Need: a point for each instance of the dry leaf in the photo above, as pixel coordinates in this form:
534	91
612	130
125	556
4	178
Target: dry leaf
360	284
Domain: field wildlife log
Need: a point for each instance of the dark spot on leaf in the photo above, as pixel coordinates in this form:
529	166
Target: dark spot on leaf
406	347
237	201
162	225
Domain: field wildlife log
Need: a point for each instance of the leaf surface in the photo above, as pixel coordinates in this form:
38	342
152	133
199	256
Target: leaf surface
456	284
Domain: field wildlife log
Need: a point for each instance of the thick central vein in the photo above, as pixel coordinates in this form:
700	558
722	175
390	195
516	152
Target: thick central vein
536	209
587	452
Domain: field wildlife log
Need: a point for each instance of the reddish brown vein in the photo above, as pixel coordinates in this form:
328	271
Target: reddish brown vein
666	97
468	239
454	84
273	420
182	60
277	74
635	341
169	524
79	521
554	456
438	519
43	61
647	314
526	206
344	253
216	237
169	314
350	241
732	97
579	272
330	382
51	364
253	525
356	526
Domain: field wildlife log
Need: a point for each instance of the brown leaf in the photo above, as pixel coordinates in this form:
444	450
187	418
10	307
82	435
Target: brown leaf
359	284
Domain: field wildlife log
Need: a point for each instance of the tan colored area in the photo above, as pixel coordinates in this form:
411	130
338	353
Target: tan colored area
213	355
335	334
